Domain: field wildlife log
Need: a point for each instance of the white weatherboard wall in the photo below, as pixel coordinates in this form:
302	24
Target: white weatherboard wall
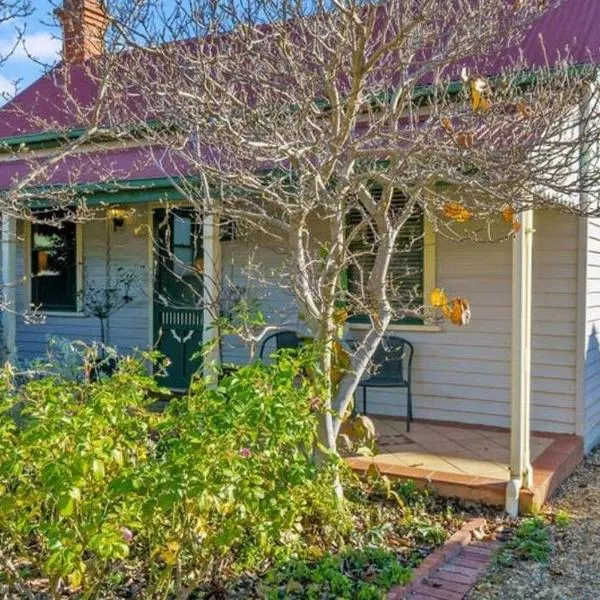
275	300
463	374
459	374
129	328
591	380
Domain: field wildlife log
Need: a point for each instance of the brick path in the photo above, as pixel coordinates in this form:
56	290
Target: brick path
455	578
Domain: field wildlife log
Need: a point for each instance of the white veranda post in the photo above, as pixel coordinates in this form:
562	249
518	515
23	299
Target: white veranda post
520	418
9	270
211	245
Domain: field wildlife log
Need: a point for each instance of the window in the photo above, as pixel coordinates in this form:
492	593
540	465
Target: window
54	266
411	272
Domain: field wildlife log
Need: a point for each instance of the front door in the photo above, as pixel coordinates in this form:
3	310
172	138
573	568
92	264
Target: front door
178	293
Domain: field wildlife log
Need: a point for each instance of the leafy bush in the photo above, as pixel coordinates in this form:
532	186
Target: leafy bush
95	485
235	484
63	445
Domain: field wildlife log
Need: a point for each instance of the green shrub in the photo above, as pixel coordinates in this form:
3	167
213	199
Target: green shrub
94	485
63	445
235	483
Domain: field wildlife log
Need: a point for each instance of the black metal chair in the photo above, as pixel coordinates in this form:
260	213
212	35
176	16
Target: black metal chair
391	368
286	338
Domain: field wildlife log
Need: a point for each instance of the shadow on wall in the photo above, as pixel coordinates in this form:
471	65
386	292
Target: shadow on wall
592	389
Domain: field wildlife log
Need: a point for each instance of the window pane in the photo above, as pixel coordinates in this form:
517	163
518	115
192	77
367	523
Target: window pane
405	274
54	267
182	231
183	245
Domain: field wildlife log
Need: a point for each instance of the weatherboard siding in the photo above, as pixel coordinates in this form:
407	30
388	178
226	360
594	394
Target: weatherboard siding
592	342
129	328
273	297
459	374
463	374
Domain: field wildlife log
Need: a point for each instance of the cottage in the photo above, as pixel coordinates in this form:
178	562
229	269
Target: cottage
545	282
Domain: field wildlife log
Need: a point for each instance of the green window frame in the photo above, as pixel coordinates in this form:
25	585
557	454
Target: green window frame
411	276
54	264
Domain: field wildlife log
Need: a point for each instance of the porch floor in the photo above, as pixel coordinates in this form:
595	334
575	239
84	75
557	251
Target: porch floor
468	461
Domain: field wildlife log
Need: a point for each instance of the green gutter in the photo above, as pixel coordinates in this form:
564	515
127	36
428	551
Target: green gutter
51	139
41	140
136	191
423	93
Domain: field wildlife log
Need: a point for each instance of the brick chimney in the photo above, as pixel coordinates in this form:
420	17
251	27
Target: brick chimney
84	24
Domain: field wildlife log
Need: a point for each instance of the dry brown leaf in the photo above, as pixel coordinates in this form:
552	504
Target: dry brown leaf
524	110
447	125
461	312
457	212
480	91
465	139
508	214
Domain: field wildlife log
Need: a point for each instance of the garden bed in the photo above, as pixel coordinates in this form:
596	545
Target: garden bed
394	527
217	497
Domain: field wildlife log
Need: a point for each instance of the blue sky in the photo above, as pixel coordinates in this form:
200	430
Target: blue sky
41	41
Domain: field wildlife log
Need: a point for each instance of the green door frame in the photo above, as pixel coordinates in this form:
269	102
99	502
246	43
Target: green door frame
177	303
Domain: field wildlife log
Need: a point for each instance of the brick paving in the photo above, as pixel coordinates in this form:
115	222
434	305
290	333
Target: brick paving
455	578
449	572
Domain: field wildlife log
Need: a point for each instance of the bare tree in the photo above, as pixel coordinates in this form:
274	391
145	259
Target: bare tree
327	129
10	11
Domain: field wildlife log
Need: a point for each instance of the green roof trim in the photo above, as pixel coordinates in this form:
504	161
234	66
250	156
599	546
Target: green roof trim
421	94
40	139
51	139
129	192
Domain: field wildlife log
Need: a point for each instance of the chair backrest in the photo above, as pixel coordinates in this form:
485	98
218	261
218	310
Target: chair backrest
391	357
285	338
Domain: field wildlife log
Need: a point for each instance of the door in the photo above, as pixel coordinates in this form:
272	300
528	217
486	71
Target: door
178	293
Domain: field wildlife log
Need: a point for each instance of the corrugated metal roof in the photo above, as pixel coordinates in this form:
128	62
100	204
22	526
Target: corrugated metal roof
571	30
98	167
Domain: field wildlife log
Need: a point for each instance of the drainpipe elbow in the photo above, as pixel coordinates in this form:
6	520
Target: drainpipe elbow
513	489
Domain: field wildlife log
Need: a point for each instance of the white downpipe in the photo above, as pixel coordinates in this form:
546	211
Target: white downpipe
9	272
211	246
520	423
586	155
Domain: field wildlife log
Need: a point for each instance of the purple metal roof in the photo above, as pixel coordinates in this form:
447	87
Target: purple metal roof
44	105
569	31
572	30
102	166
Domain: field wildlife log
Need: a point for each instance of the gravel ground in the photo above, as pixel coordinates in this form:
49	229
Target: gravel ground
573	570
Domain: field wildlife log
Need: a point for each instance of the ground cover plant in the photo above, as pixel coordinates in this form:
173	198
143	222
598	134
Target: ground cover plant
571	568
394	527
531	541
220	494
